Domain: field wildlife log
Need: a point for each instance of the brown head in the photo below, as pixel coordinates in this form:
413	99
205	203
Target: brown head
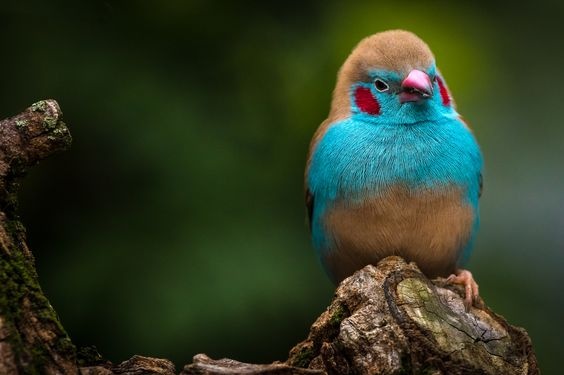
394	50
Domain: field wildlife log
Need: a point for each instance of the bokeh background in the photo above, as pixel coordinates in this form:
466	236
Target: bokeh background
175	224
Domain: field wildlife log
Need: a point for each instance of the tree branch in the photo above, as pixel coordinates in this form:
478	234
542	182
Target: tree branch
32	340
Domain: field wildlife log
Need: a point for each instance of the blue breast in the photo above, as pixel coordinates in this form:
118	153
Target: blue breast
356	159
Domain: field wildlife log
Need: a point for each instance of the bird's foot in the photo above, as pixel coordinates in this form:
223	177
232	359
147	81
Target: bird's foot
464	277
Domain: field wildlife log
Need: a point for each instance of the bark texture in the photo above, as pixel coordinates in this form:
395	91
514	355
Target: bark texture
32	340
385	319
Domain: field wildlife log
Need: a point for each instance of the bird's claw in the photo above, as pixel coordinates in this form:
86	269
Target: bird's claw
465	278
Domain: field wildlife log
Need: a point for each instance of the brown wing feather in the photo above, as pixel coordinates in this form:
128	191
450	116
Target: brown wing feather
309	206
481	182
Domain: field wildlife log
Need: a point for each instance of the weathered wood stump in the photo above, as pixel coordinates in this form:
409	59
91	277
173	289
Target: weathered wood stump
390	319
387	319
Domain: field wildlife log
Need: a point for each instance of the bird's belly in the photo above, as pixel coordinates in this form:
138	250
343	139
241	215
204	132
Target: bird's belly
428	227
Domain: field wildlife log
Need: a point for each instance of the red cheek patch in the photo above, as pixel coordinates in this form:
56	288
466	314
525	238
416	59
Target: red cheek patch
445	96
365	101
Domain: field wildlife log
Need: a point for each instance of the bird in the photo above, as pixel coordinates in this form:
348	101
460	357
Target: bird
394	169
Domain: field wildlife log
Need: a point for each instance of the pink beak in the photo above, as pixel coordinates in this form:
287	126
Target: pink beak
416	87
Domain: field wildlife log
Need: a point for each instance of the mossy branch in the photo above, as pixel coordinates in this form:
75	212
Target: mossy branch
32	340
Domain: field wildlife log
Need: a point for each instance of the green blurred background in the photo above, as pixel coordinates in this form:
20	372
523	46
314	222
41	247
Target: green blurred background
175	224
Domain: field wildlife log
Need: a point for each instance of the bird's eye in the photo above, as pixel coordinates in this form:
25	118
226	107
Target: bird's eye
381	85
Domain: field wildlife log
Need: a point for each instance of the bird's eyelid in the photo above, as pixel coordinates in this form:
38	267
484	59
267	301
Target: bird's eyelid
381	85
